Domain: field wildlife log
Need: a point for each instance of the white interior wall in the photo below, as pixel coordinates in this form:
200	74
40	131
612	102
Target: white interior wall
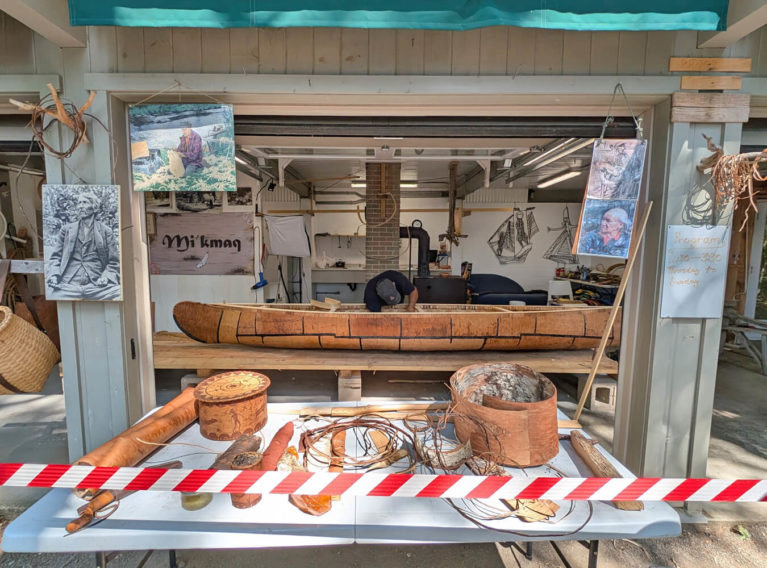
169	289
536	271
479	226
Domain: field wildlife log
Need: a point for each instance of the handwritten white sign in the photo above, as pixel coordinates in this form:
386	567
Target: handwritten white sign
694	271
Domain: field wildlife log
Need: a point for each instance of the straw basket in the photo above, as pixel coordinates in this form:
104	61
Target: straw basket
26	355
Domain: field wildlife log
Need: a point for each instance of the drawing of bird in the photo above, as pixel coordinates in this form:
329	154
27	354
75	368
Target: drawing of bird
203	262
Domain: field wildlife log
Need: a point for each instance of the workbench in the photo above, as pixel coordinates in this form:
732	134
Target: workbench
156	521
177	351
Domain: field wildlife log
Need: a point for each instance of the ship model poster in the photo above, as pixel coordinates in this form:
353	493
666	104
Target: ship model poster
511	241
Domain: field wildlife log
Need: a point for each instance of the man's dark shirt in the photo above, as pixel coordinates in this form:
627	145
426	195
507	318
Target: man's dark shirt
403	285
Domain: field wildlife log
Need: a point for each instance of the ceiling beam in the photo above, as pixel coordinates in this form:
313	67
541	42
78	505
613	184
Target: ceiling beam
476	179
49	18
743	17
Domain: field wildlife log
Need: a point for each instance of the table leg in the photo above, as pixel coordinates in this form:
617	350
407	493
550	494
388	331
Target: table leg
101	560
172	559
593	553
527	551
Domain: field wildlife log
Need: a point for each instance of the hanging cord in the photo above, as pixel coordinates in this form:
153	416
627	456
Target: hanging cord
389	218
609	119
176	85
158	93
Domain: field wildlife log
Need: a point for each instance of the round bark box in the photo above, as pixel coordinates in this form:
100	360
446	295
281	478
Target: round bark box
508	412
231	404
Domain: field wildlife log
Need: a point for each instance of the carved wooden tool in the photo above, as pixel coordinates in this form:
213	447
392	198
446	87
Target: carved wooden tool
104	498
600	466
267	462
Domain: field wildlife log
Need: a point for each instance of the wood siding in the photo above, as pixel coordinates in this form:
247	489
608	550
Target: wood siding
487	51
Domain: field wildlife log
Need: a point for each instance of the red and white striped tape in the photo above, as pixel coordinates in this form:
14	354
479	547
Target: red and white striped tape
382	485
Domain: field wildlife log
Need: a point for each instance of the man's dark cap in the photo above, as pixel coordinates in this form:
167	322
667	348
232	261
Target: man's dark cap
388	292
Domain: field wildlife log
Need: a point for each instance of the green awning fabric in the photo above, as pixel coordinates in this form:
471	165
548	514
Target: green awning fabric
406	14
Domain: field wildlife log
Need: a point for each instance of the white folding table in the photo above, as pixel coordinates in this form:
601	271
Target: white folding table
153	520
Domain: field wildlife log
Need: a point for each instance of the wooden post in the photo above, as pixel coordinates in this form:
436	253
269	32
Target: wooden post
349	385
614	312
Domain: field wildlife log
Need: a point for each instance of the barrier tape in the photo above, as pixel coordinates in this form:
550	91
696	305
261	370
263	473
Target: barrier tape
382	485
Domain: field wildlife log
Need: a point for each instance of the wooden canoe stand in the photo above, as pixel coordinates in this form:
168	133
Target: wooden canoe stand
176	351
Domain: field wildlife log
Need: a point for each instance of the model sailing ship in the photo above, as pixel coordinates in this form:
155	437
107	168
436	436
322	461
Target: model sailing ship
436	327
561	250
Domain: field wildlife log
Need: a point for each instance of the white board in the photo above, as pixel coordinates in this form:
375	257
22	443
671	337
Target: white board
695	270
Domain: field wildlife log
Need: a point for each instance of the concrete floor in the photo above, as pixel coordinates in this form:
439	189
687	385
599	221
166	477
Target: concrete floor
32	429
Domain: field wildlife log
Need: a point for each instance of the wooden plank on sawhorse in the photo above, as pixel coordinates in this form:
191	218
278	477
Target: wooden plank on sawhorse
176	351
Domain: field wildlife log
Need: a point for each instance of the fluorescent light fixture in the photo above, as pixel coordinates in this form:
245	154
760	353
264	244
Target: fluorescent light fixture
549	152
567	174
559	151
240	160
405	184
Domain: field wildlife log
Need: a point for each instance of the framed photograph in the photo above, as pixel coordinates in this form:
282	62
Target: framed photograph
240	200
161	201
616	169
606	227
81	236
199	201
182	147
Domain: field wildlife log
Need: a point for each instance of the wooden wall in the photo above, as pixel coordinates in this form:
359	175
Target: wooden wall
335	51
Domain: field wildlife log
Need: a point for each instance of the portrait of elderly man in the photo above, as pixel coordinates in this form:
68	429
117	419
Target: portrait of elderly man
84	258
611	238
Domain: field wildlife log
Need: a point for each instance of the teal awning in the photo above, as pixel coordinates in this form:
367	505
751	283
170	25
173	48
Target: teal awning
406	14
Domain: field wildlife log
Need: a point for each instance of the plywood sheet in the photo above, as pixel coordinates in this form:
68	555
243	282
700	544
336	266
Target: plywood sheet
703	83
736	64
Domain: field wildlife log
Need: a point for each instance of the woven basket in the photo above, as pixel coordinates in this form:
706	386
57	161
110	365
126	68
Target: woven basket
26	355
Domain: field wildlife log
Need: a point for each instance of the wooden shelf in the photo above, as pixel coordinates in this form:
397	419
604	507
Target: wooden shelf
587	283
176	351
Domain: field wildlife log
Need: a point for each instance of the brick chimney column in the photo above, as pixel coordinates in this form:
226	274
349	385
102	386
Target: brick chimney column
382	239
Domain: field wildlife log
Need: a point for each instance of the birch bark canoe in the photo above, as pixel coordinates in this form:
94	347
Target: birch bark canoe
436	327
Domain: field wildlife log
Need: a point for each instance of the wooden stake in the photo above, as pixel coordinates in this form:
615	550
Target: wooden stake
600	466
614	312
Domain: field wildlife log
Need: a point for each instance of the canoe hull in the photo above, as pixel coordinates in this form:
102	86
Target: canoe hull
441	328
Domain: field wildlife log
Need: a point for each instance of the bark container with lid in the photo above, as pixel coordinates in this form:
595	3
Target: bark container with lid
231	404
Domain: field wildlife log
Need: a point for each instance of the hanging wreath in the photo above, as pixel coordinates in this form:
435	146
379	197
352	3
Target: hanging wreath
66	113
733	177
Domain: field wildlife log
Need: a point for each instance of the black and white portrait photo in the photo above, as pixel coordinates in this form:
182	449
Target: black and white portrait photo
82	242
